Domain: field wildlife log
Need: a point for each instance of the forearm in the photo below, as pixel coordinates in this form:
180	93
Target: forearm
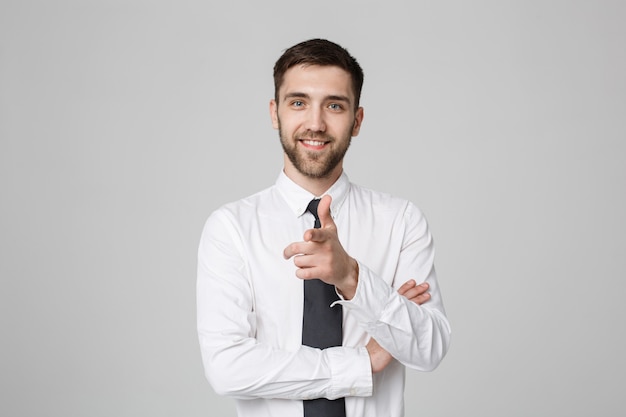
238	365
248	370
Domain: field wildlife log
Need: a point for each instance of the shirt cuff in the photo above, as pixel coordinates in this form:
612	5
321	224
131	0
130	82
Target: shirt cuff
351	372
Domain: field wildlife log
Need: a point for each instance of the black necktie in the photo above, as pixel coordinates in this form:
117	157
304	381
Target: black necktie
321	328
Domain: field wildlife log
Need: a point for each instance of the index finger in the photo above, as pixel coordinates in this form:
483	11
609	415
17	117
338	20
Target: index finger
323	211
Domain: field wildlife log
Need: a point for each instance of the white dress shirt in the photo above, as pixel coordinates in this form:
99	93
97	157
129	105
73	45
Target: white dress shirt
250	302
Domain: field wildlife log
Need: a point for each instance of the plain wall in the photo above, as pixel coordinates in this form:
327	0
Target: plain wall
123	124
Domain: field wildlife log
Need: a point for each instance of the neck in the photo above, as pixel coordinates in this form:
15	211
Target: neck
316	186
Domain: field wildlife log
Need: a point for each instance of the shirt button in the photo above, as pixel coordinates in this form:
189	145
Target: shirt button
352	392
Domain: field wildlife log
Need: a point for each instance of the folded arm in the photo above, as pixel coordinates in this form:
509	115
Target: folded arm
416	335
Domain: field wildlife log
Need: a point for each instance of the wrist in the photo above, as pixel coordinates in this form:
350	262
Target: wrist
379	357
349	285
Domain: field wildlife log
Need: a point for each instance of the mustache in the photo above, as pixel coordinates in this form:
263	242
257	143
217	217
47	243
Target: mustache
309	135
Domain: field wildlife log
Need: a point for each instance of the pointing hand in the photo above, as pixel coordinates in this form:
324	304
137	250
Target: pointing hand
321	256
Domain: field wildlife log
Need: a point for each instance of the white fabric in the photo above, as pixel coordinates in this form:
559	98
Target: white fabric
249	302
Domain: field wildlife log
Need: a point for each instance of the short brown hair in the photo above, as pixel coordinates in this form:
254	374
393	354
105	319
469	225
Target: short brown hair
319	52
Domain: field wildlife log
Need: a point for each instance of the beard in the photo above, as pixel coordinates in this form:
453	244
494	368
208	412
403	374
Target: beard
314	164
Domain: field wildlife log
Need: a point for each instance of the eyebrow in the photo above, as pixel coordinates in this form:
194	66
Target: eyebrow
332	97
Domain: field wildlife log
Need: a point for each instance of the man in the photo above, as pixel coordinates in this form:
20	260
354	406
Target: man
258	257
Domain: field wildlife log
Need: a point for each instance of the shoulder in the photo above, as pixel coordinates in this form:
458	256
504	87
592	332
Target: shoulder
382	201
243	206
386	209
233	213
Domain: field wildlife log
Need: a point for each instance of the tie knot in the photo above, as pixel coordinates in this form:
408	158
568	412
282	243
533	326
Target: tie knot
312	208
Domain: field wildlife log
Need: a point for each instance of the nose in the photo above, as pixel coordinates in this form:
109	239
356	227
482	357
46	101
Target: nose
315	120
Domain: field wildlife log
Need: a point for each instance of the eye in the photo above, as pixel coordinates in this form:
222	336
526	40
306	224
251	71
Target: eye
335	106
297	103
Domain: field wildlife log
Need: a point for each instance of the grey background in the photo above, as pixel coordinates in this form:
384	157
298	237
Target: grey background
123	124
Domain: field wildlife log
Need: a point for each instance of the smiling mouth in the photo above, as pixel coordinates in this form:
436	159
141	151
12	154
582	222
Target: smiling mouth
314	143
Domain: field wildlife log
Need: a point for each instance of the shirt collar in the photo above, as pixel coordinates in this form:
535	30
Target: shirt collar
298	198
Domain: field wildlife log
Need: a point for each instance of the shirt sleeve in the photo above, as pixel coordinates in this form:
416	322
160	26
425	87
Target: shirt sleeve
416	335
236	364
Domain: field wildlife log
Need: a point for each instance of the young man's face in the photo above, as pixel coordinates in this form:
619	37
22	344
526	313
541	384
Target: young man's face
316	119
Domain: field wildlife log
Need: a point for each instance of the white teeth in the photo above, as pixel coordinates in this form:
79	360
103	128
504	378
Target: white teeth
313	142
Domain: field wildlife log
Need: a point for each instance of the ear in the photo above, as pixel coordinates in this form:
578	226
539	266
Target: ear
358	119
274	113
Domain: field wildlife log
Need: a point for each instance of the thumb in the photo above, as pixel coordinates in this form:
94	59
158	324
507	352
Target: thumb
323	212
